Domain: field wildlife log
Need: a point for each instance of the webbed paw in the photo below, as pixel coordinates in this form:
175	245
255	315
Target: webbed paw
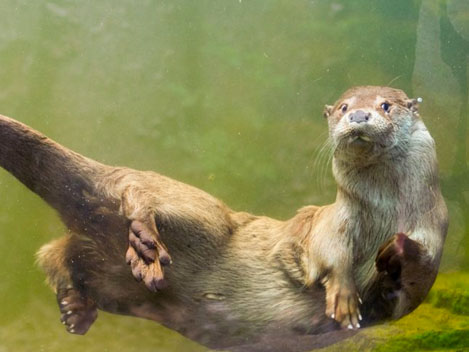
78	312
394	253
147	254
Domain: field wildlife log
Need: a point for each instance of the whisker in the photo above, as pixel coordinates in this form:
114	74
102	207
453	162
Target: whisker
318	150
326	167
322	161
393	80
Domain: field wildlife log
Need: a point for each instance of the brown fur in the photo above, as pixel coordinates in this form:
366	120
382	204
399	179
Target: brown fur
236	277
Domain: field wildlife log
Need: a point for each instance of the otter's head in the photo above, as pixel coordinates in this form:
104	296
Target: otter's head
369	122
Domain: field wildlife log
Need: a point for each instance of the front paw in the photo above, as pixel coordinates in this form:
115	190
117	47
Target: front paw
147	254
342	304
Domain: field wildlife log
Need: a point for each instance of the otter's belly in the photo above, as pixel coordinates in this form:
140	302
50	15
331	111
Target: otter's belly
220	314
234	295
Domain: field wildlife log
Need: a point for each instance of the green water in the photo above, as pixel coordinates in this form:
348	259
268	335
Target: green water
226	95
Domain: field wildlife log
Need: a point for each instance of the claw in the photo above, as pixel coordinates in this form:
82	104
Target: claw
78	312
342	302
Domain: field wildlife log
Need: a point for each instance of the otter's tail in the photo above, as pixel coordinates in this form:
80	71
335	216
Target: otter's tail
64	179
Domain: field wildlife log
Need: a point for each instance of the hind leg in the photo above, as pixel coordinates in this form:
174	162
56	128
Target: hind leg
78	311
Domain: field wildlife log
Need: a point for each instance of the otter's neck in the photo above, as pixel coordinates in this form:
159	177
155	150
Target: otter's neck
373	186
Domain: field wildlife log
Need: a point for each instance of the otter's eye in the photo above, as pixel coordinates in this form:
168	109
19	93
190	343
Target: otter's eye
385	107
343	108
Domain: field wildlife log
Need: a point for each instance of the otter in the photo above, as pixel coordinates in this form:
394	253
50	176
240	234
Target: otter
142	244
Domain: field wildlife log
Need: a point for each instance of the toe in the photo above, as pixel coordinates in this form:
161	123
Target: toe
146	252
164	257
154	277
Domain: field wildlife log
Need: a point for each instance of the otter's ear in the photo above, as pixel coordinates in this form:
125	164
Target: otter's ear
327	111
413	104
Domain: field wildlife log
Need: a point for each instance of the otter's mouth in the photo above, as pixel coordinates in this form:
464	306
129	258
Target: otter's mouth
363	140
360	139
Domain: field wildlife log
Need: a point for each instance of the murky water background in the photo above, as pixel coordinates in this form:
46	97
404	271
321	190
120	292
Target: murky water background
224	95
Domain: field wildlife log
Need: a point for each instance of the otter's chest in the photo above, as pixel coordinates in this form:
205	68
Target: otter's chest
370	227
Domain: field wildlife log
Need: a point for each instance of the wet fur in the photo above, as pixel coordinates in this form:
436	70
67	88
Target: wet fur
235	277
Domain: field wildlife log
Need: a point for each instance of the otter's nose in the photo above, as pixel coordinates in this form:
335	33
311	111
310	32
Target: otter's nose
359	116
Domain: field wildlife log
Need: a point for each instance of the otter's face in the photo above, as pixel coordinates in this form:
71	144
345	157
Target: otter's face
370	121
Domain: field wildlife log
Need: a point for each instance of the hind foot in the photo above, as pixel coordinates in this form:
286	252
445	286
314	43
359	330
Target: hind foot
147	254
78	312
395	253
